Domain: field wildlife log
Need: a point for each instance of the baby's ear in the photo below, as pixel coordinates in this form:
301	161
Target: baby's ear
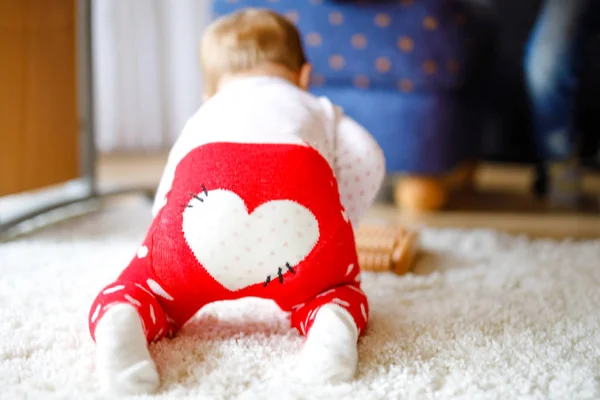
304	76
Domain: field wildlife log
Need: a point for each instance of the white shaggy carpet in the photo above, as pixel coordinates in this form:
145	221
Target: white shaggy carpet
484	316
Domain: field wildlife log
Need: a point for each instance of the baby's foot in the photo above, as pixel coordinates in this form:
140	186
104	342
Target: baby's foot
329	354
123	362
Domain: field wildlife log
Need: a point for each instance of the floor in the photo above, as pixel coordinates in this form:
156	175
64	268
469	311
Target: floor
482	316
501	201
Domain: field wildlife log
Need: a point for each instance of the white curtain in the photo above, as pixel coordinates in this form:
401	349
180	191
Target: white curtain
147	79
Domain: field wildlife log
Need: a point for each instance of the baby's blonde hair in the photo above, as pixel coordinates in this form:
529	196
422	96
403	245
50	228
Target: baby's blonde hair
245	40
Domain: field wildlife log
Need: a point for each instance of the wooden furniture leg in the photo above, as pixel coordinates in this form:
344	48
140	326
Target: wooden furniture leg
418	193
430	193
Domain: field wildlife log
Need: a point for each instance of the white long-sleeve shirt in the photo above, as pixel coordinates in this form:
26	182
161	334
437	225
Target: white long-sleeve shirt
268	110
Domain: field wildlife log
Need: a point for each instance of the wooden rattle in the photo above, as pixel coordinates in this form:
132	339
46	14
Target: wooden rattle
383	249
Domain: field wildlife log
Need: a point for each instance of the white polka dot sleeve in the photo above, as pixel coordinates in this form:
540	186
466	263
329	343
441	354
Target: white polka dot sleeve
359	167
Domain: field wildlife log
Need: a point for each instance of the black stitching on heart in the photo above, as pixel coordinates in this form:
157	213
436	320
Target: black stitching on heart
195	196
289	267
280	274
267	281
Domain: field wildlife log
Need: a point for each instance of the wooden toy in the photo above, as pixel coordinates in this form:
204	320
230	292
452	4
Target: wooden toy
383	249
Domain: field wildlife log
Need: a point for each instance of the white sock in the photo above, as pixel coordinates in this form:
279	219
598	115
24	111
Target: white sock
123	362
329	354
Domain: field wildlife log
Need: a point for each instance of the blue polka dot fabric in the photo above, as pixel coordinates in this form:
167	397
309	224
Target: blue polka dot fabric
392	65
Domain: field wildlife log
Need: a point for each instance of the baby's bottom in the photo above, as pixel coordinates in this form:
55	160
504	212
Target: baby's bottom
127	315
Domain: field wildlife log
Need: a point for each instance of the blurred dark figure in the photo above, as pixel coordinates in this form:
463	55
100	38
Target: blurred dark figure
553	66
546	70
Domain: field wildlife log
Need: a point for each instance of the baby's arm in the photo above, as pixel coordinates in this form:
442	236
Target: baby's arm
164	185
359	167
181	147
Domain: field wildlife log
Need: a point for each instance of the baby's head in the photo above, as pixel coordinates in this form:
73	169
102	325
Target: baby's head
252	42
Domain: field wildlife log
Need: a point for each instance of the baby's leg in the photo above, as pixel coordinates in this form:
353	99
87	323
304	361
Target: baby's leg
123	319
332	322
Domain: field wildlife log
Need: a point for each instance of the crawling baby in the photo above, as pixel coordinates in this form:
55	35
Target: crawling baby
258	199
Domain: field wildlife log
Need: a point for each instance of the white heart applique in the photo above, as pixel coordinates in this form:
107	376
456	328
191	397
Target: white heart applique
240	249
